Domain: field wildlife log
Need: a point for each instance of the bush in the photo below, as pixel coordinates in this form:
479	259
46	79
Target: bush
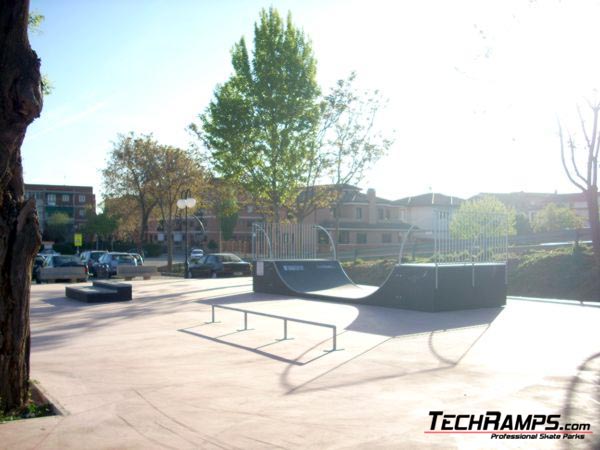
153	249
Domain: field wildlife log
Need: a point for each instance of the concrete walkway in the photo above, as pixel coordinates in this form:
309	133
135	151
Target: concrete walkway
152	374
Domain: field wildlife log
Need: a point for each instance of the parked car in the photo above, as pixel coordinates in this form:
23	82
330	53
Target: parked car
220	265
109	262
138	258
60	261
90	259
196	253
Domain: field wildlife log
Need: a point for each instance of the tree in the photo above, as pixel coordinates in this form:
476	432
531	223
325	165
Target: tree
130	173
522	224
484	215
585	175
555	218
99	226
261	126
174	171
20	103
58	227
352	142
227	208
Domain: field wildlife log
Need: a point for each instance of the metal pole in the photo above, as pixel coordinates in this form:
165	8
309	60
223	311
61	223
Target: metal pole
187	262
213	313
404	242
284	329
334	338
245	321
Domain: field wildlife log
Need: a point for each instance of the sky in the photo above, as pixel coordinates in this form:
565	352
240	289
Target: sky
475	89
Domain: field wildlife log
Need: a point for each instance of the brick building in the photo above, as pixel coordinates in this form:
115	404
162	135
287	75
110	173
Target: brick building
70	200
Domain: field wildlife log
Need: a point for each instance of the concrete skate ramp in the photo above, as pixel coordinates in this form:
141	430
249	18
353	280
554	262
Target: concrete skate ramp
421	287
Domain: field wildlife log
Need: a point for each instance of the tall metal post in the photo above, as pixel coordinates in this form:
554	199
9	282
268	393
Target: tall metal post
187	261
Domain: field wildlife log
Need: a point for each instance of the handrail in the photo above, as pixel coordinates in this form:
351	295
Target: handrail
274	316
330	240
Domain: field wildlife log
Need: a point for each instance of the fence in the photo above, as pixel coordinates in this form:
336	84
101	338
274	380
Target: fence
289	241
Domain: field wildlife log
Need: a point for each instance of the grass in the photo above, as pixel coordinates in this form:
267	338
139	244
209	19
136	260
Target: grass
35	407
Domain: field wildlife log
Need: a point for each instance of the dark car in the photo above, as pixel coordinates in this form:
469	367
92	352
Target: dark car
220	265
90	258
60	261
109	262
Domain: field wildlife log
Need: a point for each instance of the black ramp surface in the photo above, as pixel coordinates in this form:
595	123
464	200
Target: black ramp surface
421	287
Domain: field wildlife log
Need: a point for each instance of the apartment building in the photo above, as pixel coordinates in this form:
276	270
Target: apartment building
70	200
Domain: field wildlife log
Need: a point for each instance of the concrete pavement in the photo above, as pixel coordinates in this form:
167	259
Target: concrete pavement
152	374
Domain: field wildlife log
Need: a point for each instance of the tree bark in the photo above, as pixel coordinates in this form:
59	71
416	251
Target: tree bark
20	104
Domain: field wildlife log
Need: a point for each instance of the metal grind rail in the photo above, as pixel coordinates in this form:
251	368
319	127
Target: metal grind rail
285	321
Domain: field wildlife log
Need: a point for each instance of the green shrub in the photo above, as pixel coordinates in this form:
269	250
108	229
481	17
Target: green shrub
153	249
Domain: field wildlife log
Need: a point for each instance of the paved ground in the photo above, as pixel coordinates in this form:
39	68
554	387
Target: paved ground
152	374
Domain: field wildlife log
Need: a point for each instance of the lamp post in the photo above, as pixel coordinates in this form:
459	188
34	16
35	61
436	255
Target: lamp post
185	203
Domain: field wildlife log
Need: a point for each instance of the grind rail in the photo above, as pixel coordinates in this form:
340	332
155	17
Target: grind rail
285	321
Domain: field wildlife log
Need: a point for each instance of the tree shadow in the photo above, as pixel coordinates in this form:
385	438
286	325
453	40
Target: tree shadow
582	402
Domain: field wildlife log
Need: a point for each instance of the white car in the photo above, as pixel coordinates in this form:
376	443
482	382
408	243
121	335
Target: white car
197	253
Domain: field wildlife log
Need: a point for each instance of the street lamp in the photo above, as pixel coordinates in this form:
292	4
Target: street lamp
185	203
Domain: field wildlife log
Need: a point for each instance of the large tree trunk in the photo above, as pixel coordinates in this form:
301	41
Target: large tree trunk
20	104
594	218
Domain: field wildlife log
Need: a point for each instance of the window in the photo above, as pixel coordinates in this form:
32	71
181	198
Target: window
65	197
51	199
359	213
250	209
387	214
82	213
344	237
386	238
361	238
380	213
81	198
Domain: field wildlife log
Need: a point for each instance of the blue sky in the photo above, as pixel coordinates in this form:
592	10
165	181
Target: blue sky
474	87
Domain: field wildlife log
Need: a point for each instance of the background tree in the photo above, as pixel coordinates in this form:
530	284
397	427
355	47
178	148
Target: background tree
58	227
20	104
522	224
130	173
555	218
227	209
174	171
126	212
352	143
261	126
483	214
585	175
99	227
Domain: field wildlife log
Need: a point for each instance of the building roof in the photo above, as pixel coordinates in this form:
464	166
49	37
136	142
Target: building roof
57	187
429	199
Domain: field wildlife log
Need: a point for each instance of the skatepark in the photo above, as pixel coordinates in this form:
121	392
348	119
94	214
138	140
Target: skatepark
152	373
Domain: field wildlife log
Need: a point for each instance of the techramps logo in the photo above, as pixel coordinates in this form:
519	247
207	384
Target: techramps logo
508	426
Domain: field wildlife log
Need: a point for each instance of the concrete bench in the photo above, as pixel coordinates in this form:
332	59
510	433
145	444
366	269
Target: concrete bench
130	272
100	291
73	274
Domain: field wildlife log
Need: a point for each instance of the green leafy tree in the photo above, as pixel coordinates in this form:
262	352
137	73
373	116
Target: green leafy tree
58	227
227	209
555	218
130	173
483	215
99	226
351	142
261	126
522	224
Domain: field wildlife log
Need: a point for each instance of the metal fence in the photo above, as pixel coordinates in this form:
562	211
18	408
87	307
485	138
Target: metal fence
470	237
289	241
